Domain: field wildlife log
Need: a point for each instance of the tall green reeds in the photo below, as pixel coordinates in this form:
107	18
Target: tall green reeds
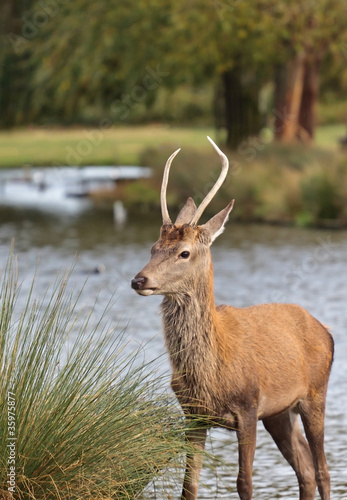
89	422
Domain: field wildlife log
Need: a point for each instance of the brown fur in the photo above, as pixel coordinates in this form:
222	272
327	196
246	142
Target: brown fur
238	365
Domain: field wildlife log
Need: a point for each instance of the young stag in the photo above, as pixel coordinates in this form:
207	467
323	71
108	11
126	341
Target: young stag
234	366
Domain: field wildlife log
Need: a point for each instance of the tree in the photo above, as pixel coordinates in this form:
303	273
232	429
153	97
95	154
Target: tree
307	33
95	59
101	60
13	88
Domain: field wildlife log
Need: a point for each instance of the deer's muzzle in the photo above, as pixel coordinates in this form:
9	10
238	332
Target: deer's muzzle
140	284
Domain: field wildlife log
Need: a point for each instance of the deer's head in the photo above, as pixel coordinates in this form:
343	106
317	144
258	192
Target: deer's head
181	256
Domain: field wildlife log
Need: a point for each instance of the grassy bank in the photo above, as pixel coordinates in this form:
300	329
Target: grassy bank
115	146
79	419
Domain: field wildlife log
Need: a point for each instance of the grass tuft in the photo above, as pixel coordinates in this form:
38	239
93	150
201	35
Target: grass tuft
89	422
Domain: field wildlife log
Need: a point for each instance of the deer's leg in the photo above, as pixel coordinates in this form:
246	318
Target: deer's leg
246	436
312	413
285	431
197	439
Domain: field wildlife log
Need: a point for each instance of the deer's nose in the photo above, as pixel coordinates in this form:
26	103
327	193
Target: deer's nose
137	283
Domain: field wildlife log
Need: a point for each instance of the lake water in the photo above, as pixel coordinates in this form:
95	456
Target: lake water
253	264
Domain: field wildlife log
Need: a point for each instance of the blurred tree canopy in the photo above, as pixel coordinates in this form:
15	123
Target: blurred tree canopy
71	61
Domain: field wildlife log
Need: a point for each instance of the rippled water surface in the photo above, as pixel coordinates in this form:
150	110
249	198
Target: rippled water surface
253	264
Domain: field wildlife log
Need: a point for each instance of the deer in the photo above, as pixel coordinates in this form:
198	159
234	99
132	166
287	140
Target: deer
234	366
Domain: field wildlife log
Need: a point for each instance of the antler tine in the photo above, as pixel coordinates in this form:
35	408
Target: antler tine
164	210
219	182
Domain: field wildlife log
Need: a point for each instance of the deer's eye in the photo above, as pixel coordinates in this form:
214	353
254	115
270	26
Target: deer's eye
185	255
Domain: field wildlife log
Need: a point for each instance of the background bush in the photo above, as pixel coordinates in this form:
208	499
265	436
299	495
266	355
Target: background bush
276	183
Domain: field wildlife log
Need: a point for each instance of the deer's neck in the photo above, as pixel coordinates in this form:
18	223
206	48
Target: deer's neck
190	326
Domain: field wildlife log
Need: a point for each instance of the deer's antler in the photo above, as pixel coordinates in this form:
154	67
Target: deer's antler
164	210
219	182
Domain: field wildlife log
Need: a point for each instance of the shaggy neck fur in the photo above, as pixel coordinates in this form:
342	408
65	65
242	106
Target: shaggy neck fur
190	321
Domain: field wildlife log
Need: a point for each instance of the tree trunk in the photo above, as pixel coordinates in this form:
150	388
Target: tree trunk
296	96
307	116
240	103
289	83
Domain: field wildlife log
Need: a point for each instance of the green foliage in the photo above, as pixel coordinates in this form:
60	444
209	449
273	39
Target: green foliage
90	422
320	194
278	184
138	194
14	77
91	61
333	111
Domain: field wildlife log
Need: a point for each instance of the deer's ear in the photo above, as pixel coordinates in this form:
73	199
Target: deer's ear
215	226
187	212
